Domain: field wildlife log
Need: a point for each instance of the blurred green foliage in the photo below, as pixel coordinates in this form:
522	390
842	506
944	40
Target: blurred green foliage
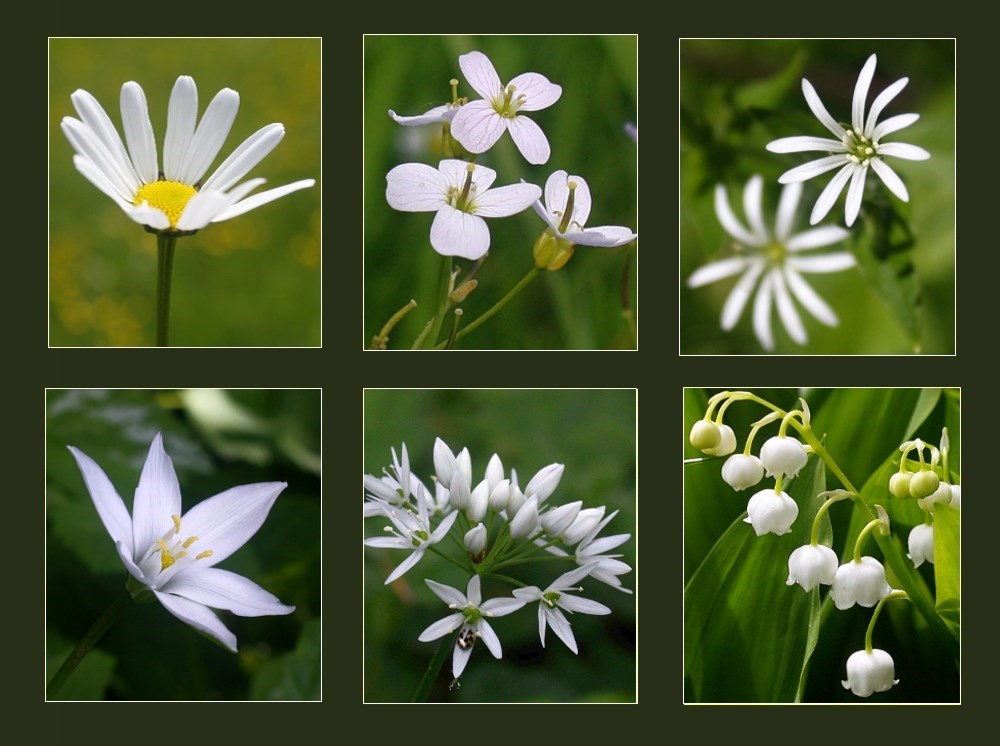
738	95
149	654
252	281
578	307
592	432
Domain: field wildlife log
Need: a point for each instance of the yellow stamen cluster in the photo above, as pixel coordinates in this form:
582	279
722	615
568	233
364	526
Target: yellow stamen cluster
169	196
169	554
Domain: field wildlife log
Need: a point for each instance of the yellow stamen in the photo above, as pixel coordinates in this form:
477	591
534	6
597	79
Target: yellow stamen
206	553
166	559
177	523
169	196
189	542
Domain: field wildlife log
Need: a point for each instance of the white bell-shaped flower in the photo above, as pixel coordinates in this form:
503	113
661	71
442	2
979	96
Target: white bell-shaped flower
940	496
956	496
870	672
859	582
811	565
705	434
771	512
783	455
727	442
921	544
741	471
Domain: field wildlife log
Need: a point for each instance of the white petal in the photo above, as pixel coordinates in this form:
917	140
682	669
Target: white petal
451	596
477	126
490	638
739	295
893	124
181	116
809	298
787	206
823	263
903	150
539	91
202	209
213	129
97	177
854	195
503	606
820	112
786	309
861	93
457	233
582	605
151	216
482	76
581	200
602	235
880	102
415	187
110	506
198	616
251	203
460	659
812	168
442	627
432	116
830	193
542	623
157	498
99	123
405	565
387	542
139	132
222	589
890	179
87	144
816	237
753	195
802	144
762	314
729	222
506	200
473	591
715	271
602	545
531	593
249	153
561	627
530	140
226	522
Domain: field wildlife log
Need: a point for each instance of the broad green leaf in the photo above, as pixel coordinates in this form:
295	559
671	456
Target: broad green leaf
748	634
925	405
947	562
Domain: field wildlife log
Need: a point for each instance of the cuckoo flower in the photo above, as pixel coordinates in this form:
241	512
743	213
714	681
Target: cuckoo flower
566	209
173	555
479	124
855	148
557	597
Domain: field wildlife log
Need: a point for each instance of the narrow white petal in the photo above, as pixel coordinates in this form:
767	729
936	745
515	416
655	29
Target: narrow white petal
213	129
729	222
503	606
438	114
249	153
854	194
415	187
893	124
139	132
198	616
473	591
904	150
479	71
539	91
830	193
181	116
459	659
762	314
97	177
803	144
542	623
490	638
202	209
809	298
143	214
442	627
251	203
787	206
87	144
387	542
221	589
405	565
715	271
606	543
99	123
890	179
477	126
582	605
786	309
816	237
834	262
109	505
861	93
451	596
531	593
506	200
880	102
530	140
812	168
740	294
753	195
457	233
820	112
560	625
157	498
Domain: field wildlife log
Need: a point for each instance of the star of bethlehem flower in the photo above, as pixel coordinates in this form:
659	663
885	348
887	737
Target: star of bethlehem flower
772	264
174	555
557	597
479	124
471	614
460	194
870	672
172	197
855	149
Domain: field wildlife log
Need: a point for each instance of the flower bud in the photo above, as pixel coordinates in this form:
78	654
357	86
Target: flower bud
526	520
810	565
557	520
705	434
499	496
383	489
585	522
459	494
479	500
494	471
444	462
475	541
941	496
899	484
727	442
544	483
924	484
921	544
551	252
771	512
463	466
783	455
741	471
462	292
515	500
859	582
870	672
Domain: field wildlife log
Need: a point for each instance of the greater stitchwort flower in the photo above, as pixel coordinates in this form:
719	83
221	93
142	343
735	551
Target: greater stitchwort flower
772	264
855	149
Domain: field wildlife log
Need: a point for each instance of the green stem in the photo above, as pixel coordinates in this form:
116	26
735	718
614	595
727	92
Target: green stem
443	303
861	537
454	561
507	579
102	625
525	281
433	669
165	244
878	610
814	534
525	560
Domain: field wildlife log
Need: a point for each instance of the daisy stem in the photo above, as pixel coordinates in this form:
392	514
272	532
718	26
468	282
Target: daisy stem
525	281
433	669
97	630
164	267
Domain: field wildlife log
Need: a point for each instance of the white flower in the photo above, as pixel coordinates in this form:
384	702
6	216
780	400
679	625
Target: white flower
479	124
859	582
566	209
526	520
741	471
870	672
776	261
557	520
592	551
173	197
854	149
942	495
956	496
479	501
705	435
174	555
727	442
475	540
557	597
771	512
783	455
460	194
470	614
810	565
921	544
444	462
544	482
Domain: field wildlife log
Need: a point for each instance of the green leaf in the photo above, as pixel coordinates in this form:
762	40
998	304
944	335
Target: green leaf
748	635
294	676
947	563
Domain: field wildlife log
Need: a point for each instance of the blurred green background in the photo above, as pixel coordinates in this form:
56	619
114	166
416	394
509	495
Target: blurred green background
738	95
592	432
217	440
578	307
251	281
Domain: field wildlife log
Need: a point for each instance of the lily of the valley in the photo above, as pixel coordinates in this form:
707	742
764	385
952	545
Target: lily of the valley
556	598
173	555
855	149
859	582
770	511
460	194
810	565
869	672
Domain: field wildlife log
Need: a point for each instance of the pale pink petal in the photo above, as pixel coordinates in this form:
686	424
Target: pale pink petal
506	200
482	76
530	140
477	126
415	187
456	172
539	91
438	114
602	235
457	233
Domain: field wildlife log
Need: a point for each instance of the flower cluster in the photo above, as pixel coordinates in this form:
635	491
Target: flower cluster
500	525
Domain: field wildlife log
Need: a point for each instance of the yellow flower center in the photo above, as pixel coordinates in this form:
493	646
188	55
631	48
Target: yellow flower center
169	196
170	553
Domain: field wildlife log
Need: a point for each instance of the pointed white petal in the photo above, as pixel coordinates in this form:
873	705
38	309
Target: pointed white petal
405	565
482	76
812	168
861	93
762	314
531	593
198	616
460	657
602	545
451	596
582	605
221	589
139	132
816	237
830	193
809	298
477	126
202	209
820	112
473	592
893	124
890	179
824	262
539	91
415	187
786	309
561	627
262	198
571	578
803	144
740	294
880	102
442	627
715	271
530	140
110	506
213	129
787	206
457	233
503	606
490	638
506	200
249	153
387	542
542	623
753	195
157	498
729	222
854	194
181	116
903	150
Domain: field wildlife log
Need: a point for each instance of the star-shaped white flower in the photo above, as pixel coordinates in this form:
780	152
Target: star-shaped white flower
855	149
566	209
470	614
479	124
460	194
174	555
556	597
772	264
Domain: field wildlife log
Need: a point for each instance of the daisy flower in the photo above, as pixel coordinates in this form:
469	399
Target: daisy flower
479	124
173	196
855	148
772	264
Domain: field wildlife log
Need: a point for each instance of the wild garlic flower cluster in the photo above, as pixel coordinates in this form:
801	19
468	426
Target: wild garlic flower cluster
500	526
859	579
